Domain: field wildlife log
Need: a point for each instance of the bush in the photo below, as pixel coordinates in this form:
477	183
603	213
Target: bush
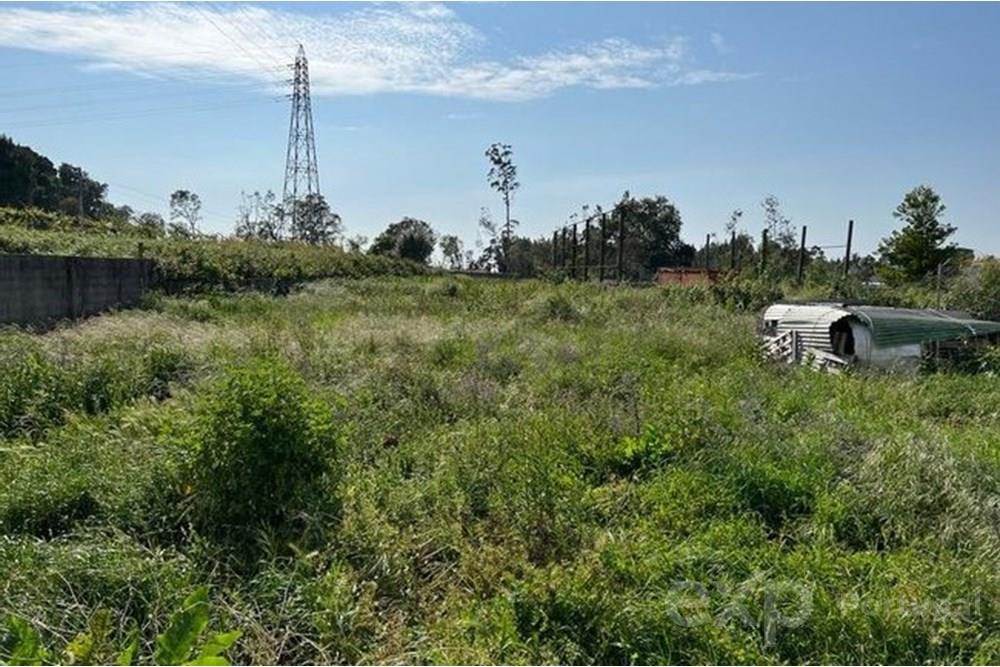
977	289
262	443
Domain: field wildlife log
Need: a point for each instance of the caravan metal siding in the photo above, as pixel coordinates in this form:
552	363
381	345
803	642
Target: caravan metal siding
812	322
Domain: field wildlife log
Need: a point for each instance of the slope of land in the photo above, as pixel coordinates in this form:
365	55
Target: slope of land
452	470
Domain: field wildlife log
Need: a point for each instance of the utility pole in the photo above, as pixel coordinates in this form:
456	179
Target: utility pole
802	257
301	169
79	194
847	250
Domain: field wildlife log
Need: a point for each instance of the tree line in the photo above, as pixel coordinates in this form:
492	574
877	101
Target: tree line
649	234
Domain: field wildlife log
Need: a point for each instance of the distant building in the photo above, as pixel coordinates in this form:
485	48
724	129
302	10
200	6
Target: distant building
834	335
686	275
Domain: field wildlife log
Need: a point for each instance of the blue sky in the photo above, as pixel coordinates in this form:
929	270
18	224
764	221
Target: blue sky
837	109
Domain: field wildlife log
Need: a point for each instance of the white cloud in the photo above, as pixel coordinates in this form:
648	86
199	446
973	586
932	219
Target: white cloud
720	43
415	48
700	76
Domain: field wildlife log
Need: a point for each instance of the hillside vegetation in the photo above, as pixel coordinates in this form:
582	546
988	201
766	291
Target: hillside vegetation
196	264
448	470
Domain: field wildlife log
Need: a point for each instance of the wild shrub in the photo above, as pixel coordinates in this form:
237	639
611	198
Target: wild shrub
977	289
115	467
261	444
556	307
40	384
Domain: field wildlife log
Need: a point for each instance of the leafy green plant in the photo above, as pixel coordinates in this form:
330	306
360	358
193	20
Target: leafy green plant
261	443
179	643
182	643
21	644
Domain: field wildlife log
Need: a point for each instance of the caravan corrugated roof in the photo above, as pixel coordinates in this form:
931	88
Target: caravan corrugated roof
904	326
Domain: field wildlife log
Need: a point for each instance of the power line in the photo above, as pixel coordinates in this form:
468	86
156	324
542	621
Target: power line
136	78
120	98
281	67
139	113
159	199
238	44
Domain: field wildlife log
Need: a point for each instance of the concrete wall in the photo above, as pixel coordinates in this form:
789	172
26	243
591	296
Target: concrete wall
40	289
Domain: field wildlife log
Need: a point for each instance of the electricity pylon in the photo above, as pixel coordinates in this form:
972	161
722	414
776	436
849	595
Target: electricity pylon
301	171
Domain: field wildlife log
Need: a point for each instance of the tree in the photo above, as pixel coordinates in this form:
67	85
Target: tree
491	255
782	242
151	224
503	178
652	235
314	222
915	251
30	179
409	238
259	217
451	248
79	194
357	243
185	209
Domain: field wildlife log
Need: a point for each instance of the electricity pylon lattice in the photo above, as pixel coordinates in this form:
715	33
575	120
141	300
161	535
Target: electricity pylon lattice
301	171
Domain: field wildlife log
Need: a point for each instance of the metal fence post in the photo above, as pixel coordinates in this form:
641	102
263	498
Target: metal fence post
604	232
586	249
732	251
621	245
573	269
847	250
802	257
555	249
763	252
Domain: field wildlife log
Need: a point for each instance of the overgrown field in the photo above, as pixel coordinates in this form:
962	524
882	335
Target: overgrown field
442	470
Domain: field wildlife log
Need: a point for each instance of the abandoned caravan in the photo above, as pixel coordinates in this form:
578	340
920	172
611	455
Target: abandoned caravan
834	336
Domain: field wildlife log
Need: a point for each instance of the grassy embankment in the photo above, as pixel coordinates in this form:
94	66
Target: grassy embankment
192	265
447	470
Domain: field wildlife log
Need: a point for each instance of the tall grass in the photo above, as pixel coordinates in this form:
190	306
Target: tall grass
516	472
